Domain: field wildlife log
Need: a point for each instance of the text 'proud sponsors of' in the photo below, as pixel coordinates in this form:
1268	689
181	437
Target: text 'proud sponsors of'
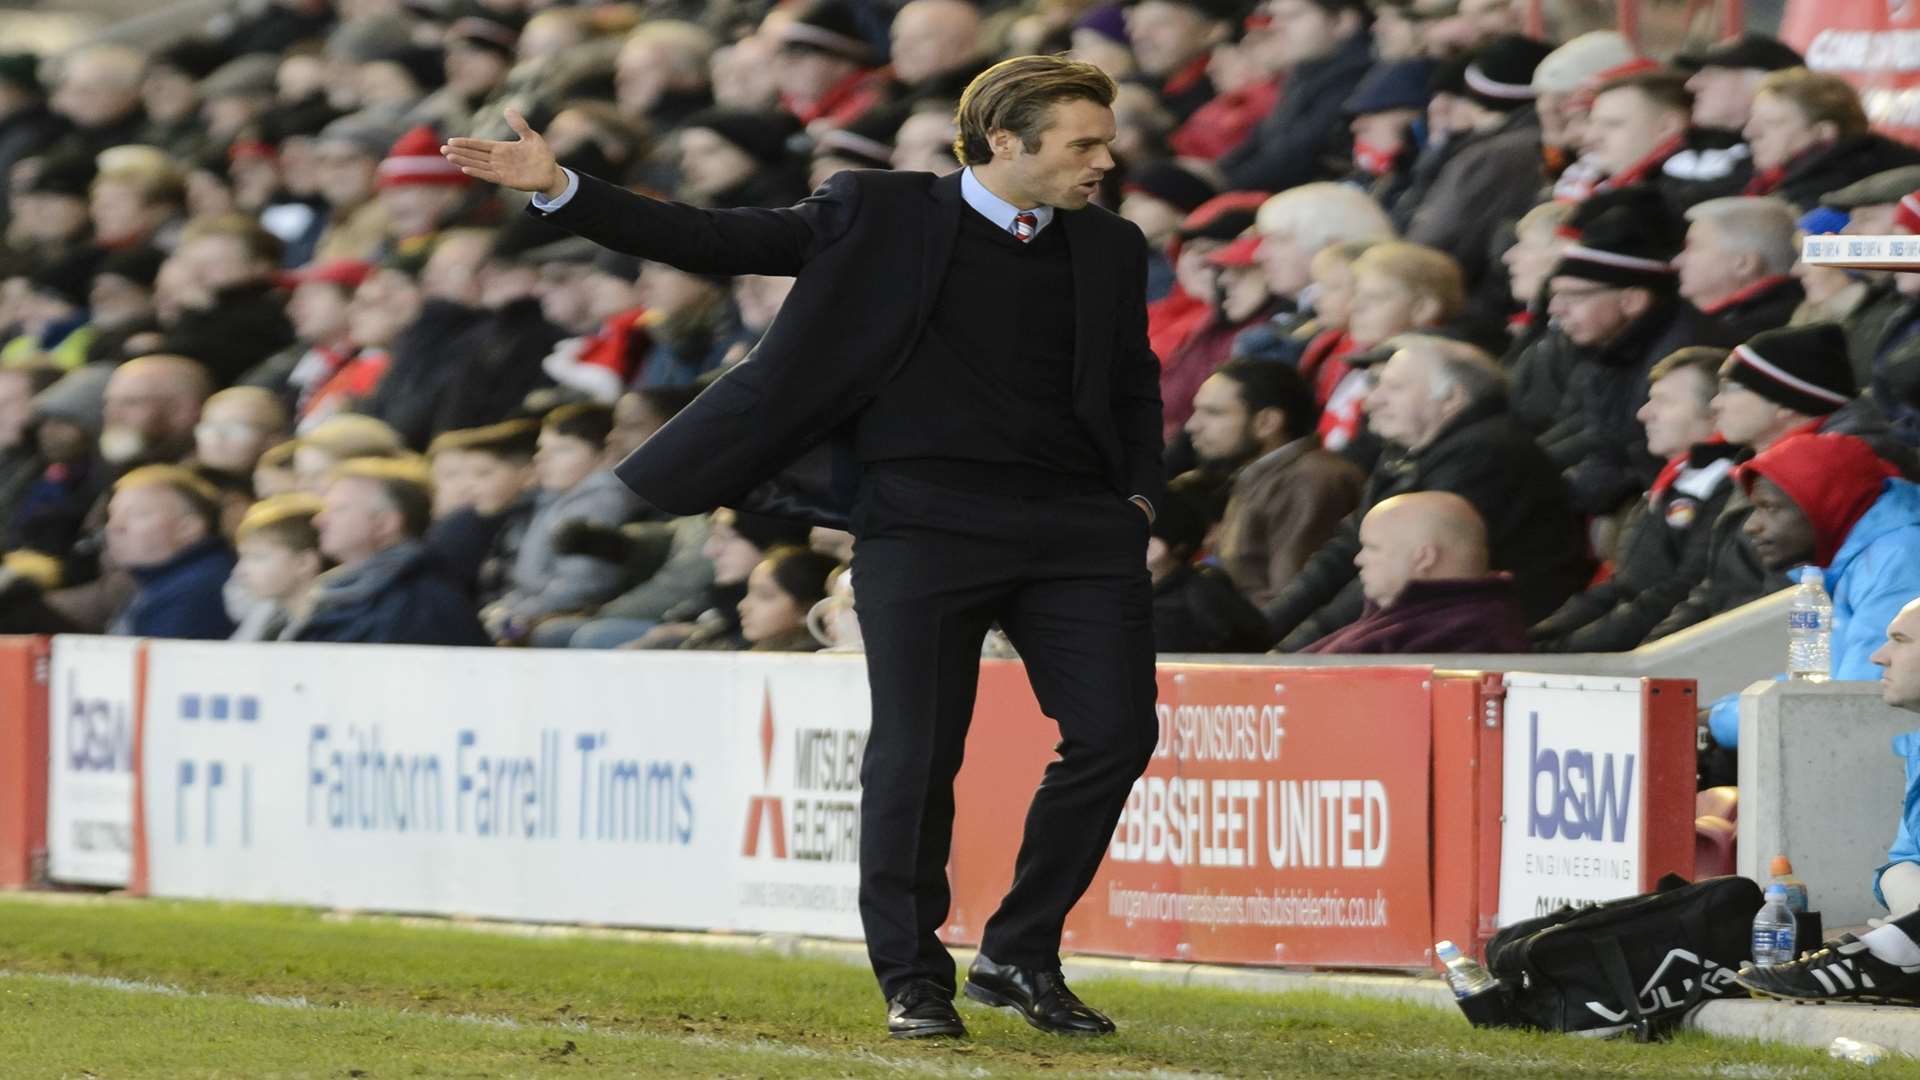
1574	793
1284	816
90	760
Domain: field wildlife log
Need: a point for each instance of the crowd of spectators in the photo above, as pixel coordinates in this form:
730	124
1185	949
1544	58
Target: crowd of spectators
1469	339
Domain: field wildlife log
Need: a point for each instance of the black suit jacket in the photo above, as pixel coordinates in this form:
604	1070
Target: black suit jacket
869	251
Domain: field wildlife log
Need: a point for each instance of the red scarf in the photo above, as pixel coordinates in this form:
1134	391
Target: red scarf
1748	293
1640	171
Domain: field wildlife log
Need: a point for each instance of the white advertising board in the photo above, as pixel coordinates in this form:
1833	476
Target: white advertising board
90	760
526	784
1573	793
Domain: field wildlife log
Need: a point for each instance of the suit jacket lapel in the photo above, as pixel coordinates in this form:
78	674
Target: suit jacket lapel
1092	298
943	227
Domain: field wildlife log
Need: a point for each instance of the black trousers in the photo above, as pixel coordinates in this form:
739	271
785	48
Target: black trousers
1066	578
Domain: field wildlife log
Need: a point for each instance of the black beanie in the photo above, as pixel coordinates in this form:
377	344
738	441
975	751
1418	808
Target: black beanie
762	136
1500	74
767	533
1804	368
1626	238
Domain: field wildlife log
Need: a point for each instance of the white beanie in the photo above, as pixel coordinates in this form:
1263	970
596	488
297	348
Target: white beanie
1568	67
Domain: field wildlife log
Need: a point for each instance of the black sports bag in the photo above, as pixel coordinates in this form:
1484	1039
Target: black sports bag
1635	965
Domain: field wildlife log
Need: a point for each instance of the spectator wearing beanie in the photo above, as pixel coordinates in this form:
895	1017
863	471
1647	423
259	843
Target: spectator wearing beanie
780	591
1388	118
1246	93
1791	381
825	68
171	93
1196	608
1558	82
1725	76
731	157
1614	295
1157	197
27	126
420	193
1479	190
1830	502
1173	40
1326	48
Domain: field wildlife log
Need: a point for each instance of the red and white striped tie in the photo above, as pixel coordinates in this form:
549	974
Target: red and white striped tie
1024	223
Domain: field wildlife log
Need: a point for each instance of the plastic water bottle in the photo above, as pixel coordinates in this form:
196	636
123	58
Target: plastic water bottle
1781	870
1773	930
1856	1051
1810	629
1463	974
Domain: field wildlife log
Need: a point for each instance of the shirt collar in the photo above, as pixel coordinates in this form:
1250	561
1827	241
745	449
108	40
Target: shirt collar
996	209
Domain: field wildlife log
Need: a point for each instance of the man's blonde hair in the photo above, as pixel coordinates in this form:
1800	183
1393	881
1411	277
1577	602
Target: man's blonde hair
1820	97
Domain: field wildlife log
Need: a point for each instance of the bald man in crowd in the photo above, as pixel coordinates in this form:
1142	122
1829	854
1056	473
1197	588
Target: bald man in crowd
1424	570
936	47
152	405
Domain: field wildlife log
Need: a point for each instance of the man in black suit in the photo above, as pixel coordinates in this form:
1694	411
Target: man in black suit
963	366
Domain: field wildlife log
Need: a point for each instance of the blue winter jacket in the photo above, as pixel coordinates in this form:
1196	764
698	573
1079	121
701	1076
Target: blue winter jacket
181	598
1905	848
1873	575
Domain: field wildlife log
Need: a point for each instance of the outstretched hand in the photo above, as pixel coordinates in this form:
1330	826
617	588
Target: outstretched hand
524	164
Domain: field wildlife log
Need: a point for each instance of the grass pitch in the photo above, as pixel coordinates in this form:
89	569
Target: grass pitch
109	989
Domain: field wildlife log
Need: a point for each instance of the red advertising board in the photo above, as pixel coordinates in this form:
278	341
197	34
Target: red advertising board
1284	819
1875	44
23	758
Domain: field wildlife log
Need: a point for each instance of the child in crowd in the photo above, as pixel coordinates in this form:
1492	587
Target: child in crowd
780	592
736	543
576	483
484	499
279	560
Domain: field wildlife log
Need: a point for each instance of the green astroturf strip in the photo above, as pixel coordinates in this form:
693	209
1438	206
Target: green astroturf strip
159	988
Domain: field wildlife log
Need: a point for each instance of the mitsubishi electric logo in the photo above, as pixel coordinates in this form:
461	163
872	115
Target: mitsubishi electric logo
1683	968
766	812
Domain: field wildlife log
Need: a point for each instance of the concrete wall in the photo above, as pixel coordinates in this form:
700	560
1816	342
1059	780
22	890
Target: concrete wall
1820	784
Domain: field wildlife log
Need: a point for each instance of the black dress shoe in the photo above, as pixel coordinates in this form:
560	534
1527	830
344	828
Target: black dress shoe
1039	995
921	1011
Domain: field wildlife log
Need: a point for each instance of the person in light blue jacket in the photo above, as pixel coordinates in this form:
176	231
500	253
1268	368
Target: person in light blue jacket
1831	502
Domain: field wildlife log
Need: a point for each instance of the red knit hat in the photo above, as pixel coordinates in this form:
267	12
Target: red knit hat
1833	479
1907	217
415	159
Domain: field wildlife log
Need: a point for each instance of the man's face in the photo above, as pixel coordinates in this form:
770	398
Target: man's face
1777	131
356	521
1384	560
1899	660
1745	418
1303	31
1723	96
1221	426
120	214
1243	292
93	93
1709	272
452	481
642	76
418	209
1401	407
147	526
1625	126
231	435
384	304
1590	313
273	571
1289	267
494	482
1333	287
710	165
143	404
1066	170
344	175
925	143
1777	531
1383	306
932	38
219	262
807	74
1167	35
733	556
318	310
1673	415
563	461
